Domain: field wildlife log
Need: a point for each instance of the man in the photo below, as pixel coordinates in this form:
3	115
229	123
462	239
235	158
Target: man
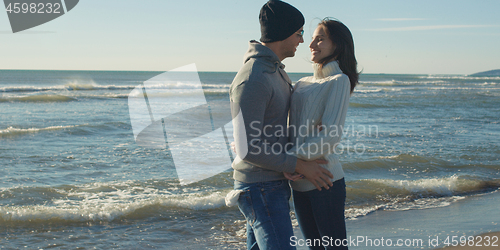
260	94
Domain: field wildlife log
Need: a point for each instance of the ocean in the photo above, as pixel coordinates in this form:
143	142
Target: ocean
72	175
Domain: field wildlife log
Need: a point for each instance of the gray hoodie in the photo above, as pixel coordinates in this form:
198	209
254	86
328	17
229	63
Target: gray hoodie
262	90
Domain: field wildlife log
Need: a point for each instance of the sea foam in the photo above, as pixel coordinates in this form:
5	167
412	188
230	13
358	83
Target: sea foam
107	202
17	131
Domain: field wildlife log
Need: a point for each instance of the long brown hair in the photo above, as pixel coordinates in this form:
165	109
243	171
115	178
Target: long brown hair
341	37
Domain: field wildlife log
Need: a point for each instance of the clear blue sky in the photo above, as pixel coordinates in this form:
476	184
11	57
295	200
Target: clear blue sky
392	36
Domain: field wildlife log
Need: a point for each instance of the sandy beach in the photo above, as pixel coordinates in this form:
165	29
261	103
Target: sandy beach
428	228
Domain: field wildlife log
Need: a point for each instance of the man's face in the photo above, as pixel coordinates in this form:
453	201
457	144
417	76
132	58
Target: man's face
290	44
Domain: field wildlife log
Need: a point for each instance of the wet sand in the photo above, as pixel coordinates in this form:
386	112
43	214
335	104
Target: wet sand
427	228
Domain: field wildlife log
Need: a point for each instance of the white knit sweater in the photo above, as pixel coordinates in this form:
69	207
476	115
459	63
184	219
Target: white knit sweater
319	99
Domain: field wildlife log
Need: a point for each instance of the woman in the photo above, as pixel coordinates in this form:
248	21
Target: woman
318	110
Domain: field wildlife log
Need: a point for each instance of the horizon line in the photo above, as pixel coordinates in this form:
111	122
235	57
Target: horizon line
216	71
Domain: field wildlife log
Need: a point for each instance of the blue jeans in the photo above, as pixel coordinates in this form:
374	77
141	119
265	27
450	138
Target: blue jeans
321	213
267	212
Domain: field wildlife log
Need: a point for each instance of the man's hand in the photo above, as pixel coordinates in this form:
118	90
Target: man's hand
316	174
233	146
293	177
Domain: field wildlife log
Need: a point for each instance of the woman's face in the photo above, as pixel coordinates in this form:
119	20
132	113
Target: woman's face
321	46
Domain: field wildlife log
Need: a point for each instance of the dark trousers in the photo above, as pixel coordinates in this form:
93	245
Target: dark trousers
321	213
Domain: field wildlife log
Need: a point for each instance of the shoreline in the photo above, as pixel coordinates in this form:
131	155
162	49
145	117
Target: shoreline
477	215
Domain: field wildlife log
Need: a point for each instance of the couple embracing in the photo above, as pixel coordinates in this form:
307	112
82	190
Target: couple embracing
263	95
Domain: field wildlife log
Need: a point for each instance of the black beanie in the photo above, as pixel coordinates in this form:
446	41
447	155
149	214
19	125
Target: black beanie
278	21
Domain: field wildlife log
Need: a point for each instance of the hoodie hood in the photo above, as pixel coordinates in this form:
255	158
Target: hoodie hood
264	55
